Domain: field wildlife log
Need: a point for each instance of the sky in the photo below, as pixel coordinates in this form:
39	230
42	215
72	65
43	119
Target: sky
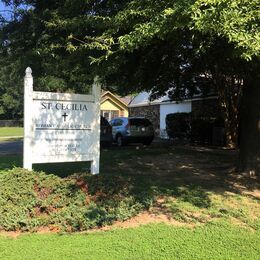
3	7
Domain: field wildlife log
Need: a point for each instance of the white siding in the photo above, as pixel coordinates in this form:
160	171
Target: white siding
166	109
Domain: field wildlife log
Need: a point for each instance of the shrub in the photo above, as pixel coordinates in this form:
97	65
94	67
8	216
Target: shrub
206	131
178	125
201	131
29	200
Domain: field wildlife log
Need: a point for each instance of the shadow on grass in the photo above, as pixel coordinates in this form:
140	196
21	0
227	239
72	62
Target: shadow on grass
210	169
154	187
185	172
8	162
63	169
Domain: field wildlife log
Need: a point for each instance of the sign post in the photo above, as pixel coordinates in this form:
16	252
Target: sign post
61	127
28	130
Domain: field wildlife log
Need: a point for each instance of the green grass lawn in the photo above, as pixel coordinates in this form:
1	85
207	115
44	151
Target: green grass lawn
10	161
157	241
6	133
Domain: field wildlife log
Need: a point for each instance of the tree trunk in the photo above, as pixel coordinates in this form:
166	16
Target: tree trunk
231	127
230	113
229	92
249	157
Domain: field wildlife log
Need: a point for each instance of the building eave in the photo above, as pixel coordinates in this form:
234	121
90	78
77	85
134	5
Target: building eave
106	93
171	102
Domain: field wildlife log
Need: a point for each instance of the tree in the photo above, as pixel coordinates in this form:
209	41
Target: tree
28	39
159	46
171	44
238	22
161	43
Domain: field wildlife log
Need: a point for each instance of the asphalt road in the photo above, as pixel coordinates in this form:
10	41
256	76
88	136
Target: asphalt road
16	147
11	147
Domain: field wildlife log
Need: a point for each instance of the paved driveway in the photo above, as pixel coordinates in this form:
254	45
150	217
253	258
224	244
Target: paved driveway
11	147
16	147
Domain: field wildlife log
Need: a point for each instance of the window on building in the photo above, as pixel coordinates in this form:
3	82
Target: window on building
110	114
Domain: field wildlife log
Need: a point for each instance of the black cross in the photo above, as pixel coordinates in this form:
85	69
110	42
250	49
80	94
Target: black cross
64	116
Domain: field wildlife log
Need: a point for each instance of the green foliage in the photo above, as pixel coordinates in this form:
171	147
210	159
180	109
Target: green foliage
133	45
11	91
145	21
29	41
238	21
29	200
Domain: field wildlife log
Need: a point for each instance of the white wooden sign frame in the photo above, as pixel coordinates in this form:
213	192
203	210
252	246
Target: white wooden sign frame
61	127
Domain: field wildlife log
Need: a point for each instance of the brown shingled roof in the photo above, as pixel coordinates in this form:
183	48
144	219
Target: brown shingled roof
126	100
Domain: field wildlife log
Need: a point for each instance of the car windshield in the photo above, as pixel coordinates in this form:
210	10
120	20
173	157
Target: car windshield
140	122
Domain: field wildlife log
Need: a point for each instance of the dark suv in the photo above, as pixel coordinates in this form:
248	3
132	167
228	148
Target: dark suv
106	137
132	130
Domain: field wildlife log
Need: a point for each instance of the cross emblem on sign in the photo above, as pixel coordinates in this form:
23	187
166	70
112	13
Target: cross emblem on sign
64	117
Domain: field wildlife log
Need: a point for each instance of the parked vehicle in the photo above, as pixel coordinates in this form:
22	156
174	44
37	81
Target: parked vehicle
132	130
106	137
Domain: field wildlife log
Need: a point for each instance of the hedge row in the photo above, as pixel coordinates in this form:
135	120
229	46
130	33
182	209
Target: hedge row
201	131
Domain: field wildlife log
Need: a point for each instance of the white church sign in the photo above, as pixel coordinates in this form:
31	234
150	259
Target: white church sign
60	127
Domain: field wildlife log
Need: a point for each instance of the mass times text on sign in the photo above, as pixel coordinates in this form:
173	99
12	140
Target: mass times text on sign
61	127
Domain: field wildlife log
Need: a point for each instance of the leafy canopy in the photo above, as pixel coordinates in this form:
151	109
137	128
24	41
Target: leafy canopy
133	45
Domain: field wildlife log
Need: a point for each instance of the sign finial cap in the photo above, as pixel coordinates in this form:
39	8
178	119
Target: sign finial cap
28	72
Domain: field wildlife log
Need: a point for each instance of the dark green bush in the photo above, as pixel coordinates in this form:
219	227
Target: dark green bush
178	125
30	200
206	131
201	131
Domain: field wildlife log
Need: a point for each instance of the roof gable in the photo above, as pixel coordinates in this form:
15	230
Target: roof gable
107	95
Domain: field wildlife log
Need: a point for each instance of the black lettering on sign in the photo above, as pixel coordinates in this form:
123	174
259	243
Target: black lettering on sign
76	107
46	105
57	106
